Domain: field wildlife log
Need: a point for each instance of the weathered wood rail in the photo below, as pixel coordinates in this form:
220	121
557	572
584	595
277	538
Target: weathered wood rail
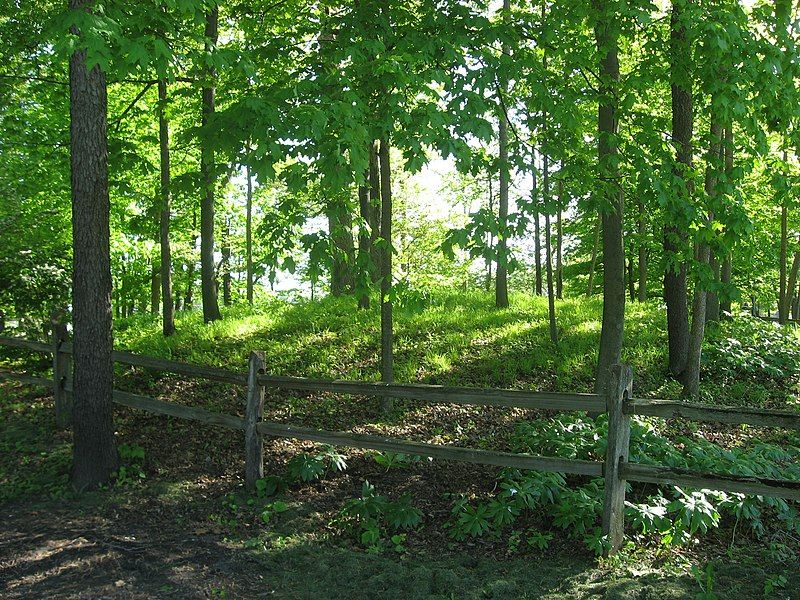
618	403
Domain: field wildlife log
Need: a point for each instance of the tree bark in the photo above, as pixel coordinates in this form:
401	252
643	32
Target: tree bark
537	233
490	235
501	279
551	303
340	225
559	242
631	285
249	235
387	327
167	308
207	173
783	292
642	230
611	335
94	452
375	211
712	298
593	261
675	288
155	288
225	266
725	274
364	243
691	375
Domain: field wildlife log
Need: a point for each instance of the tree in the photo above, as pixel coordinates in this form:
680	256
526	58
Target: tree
611	197
168	313
94	451
675	288
501	278
208	175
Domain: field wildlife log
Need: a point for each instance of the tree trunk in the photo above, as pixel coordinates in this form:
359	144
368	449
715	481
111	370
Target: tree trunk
168	318
559	242
364	244
340	228
675	289
155	288
783	292
551	303
501	279
375	212
249	236
94	452
691	376
225	266
725	274
631	285
712	298
593	261
537	233
611	335
387	327
207	173
791	285
491	237
642	229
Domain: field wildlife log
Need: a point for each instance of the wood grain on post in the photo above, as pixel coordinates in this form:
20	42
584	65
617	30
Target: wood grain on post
620	387
254	442
62	367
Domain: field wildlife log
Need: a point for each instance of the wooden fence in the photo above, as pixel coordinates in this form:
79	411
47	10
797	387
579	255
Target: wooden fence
617	402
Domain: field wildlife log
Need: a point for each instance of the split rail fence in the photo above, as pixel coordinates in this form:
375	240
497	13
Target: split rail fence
617	402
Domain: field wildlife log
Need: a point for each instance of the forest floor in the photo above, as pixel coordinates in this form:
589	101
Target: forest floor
178	523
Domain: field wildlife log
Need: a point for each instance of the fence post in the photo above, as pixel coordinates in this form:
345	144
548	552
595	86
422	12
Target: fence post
254	443
62	367
620	387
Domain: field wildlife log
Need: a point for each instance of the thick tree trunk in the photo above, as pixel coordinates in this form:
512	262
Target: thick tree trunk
207	172
167	308
501	279
675	289
249	236
387	326
611	335
340	228
94	452
691	375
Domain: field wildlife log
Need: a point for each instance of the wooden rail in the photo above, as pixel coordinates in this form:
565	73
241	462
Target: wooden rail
617	402
712	481
443	394
720	414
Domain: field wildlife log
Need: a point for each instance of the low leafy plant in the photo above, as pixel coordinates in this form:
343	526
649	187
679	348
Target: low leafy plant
131	468
371	515
394	460
309	468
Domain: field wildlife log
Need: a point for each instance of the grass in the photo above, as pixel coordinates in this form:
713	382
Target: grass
192	471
